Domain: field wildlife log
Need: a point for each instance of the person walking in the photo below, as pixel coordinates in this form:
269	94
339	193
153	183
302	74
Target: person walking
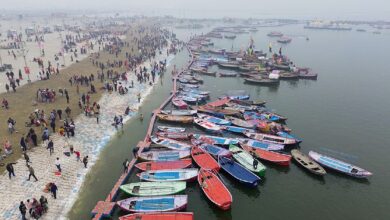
23	210
126	166
77	155
50	146
53	190
59	113
85	161
53	125
23	144
27	158
58	164
10	169
31	173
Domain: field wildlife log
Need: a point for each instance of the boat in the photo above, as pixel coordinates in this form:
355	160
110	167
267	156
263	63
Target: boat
275	34
175	118
170	143
153	188
263	81
218	103
179	103
160	216
238	172
270	138
169	175
164	165
307	162
189	99
203	159
169	155
239	122
179	112
218	112
261	144
214	120
217	140
173	135
215	150
204	71
339	165
170	129
228	74
284	40
288	75
287	135
270	156
236	129
214	189
230	37
208	126
154	204
247	160
249	102
228	65
308	75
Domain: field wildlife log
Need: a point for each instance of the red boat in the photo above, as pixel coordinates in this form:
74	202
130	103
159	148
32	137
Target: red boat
159	216
174	135
179	103
164	165
204	159
214	189
277	158
218	103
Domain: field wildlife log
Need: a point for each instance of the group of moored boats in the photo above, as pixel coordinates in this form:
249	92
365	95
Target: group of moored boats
239	138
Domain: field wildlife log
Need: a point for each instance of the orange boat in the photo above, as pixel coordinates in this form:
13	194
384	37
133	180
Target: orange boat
164	165
218	103
214	189
159	216
280	159
204	159
175	118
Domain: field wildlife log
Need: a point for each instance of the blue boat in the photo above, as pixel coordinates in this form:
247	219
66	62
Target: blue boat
236	129
287	135
214	120
153	204
169	175
262	116
238	172
261	144
215	151
217	140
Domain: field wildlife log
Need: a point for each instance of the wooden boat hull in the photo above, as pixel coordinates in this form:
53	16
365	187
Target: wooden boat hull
153	204
153	188
169	175
164	165
170	129
238	172
203	159
173	135
214	189
273	157
247	160
307	163
159	216
170	143
176	119
169	155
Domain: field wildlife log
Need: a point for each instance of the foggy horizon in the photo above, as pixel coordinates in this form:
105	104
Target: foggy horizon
298	9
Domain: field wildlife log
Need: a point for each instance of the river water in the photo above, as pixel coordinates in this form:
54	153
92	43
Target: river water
345	114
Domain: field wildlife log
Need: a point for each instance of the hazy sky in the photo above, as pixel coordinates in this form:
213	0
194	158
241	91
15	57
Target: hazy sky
333	9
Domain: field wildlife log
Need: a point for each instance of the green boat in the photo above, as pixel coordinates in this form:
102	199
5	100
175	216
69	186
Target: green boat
246	160
153	188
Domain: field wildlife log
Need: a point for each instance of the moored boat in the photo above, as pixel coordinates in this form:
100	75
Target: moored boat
239	122
270	138
273	157
174	135
153	188
238	172
160	216
247	160
340	166
153	204
179	103
179	112
214	189
203	159
169	175
214	120
263	81
170	143
307	163
169	155
261	144
236	129
217	140
170	129
175	118
164	165
208	126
